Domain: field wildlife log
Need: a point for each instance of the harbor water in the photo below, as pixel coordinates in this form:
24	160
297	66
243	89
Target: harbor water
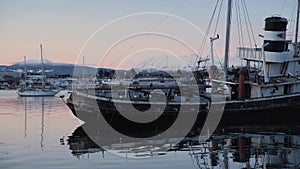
37	132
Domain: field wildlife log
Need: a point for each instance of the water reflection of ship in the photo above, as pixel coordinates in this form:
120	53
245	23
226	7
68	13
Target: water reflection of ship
80	143
274	147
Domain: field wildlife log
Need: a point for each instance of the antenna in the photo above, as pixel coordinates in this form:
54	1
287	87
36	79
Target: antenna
297	28
212	48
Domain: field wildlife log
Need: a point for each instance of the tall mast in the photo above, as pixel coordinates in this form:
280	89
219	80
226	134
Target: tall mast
83	64
227	40
297	27
25	68
25	74
43	79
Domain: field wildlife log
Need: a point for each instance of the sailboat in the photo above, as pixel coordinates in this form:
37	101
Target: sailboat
269	93
40	90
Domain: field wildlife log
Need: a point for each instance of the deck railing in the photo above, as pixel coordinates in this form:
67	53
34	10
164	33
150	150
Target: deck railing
249	53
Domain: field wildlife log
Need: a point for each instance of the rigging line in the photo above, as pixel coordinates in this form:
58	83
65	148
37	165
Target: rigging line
246	23
203	43
237	25
238	21
151	30
216	27
250	24
44	54
178	6
46	59
282	6
292	19
240	24
208	28
217	22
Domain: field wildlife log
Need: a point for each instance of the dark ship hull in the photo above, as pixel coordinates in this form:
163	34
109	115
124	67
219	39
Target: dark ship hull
274	110
105	111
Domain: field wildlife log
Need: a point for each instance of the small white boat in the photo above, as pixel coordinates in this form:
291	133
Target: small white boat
37	93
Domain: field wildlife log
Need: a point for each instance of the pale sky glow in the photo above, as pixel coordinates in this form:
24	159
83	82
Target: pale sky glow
63	26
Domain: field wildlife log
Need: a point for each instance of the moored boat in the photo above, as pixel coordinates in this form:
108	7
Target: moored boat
266	89
38	86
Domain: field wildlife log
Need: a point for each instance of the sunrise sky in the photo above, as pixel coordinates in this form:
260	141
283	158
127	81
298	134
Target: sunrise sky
64	26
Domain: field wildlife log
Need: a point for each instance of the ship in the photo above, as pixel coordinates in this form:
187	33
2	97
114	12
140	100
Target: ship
266	89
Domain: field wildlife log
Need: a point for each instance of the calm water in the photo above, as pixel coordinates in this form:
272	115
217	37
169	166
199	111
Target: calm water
43	133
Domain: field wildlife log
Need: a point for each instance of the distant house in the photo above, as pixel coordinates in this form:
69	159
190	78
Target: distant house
62	76
12	74
9	79
105	73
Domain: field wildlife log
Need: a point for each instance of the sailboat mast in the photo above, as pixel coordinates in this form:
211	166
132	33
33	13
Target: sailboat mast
227	40
42	62
83	64
25	68
297	28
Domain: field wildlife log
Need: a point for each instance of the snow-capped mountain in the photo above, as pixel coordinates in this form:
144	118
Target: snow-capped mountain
50	67
34	62
179	63
168	63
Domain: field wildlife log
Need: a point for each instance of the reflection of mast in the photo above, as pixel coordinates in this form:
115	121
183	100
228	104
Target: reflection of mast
25	117
225	158
42	125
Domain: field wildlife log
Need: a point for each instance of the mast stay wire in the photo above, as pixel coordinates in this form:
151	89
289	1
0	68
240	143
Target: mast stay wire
246	23
217	22
243	19
242	16
282	6
249	21
139	40
238	24
292	20
216	27
45	58
203	43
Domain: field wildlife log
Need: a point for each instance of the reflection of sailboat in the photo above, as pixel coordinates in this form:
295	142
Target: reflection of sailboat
27	107
40	89
25	117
